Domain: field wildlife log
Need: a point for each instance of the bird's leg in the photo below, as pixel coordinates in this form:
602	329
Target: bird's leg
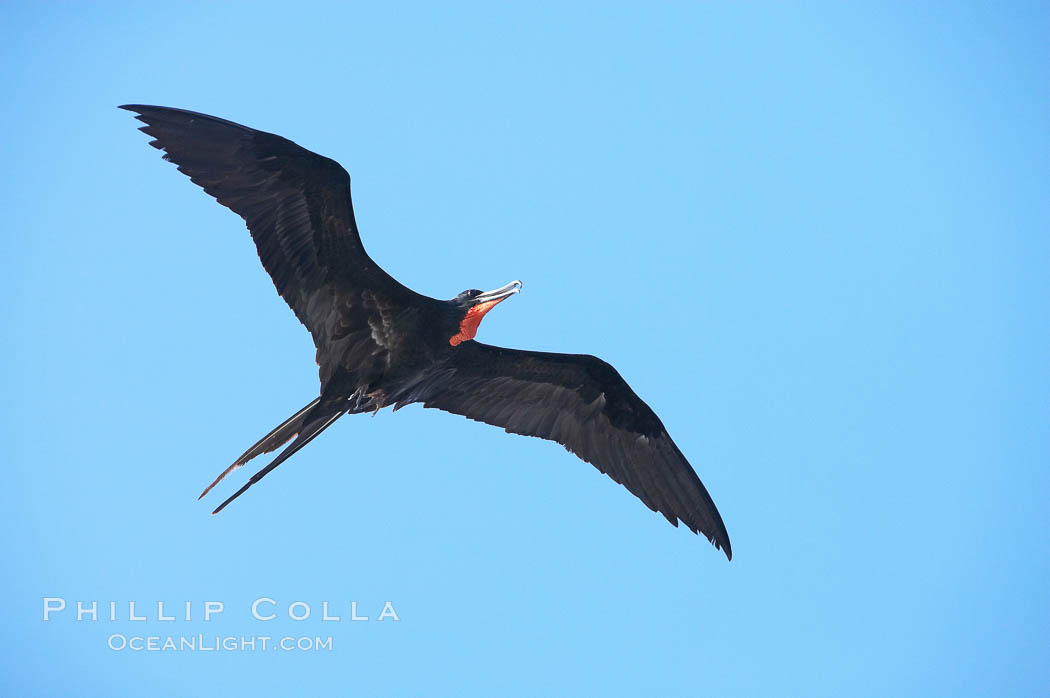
357	398
377	397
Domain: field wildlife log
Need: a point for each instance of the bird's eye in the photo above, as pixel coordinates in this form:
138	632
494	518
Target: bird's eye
467	295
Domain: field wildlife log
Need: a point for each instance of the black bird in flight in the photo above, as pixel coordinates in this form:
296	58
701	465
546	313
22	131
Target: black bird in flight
380	343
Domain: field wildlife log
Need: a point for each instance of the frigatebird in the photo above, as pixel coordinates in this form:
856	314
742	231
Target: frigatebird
381	344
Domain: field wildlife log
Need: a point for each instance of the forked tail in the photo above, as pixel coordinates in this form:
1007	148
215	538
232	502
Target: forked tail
304	426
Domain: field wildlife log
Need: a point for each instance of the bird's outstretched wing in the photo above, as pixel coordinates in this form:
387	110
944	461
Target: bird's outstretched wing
297	207
582	403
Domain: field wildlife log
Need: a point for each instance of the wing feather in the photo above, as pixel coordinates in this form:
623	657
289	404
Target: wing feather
584	404
297	207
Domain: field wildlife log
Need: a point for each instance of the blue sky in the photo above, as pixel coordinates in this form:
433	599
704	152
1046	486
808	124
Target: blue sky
813	238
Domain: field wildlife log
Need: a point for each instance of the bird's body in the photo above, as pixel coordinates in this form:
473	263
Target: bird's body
381	344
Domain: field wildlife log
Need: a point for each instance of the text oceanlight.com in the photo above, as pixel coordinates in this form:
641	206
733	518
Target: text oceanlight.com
217	643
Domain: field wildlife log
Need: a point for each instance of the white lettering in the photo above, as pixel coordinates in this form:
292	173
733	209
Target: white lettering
83	611
160	612
255	608
53	603
388	612
294	605
212	607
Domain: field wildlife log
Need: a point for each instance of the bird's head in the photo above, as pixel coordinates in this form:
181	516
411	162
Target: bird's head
471	306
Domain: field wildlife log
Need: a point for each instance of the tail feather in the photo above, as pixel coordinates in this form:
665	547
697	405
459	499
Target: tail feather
318	420
281	434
